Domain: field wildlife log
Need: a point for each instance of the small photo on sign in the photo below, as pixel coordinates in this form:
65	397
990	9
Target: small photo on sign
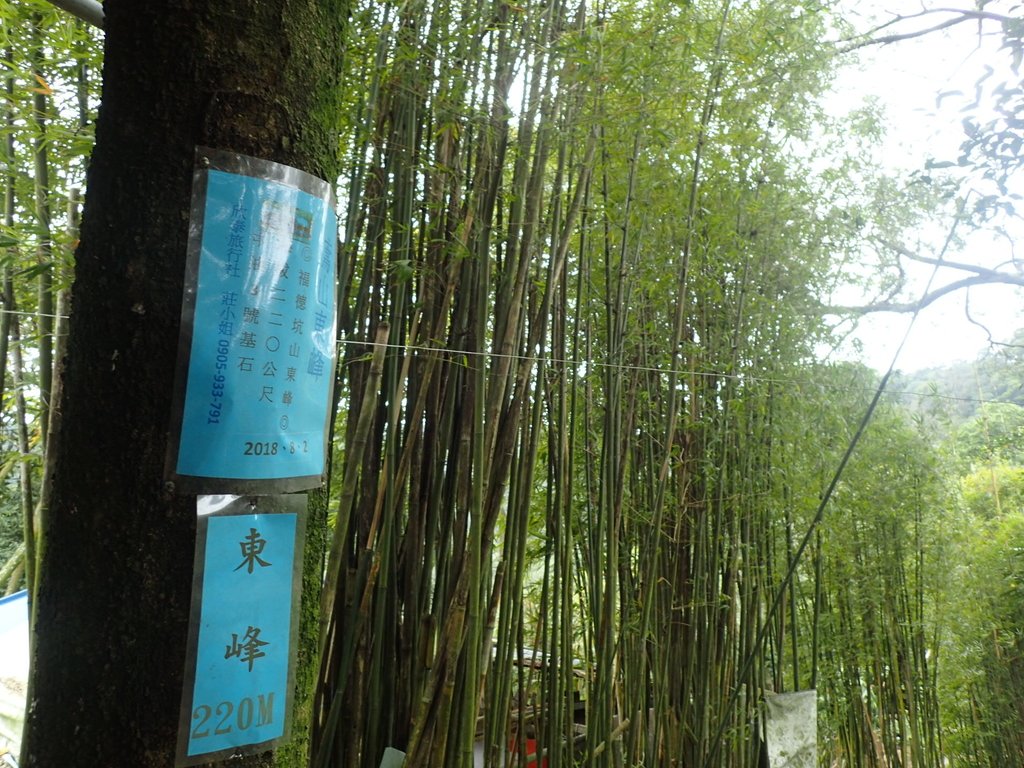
303	229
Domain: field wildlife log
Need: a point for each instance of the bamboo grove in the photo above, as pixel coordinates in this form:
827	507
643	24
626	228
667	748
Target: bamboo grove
581	430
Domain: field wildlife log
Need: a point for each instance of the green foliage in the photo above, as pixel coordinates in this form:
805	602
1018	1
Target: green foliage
994	435
992	144
11	532
955	392
990	491
984	674
886	553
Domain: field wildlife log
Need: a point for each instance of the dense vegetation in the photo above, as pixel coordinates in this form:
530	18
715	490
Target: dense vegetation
585	455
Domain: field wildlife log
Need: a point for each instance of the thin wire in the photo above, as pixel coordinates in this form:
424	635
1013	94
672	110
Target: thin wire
23	313
550	361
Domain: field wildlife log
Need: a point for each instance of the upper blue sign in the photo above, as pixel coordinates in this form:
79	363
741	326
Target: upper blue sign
262	343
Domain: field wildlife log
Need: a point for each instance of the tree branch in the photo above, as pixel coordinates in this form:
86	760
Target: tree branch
930	297
971	319
992	274
963	15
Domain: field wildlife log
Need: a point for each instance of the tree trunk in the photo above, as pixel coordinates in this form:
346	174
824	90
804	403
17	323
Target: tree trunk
257	77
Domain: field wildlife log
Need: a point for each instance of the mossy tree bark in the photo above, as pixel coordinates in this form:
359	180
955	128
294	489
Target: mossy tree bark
257	77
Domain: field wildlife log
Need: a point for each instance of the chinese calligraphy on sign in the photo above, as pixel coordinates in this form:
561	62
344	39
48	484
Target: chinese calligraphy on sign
252	547
258	329
248	650
245	600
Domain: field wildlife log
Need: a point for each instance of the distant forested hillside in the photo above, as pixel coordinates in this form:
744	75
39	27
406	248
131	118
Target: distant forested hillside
959	389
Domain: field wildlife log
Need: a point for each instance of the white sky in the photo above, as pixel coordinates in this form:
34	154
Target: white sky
906	77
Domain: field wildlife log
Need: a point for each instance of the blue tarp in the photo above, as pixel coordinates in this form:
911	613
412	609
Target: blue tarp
14	660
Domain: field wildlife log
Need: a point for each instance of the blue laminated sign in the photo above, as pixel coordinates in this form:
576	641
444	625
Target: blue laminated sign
239	673
258	329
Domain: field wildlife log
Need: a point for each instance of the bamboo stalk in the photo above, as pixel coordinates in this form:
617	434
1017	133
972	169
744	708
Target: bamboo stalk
9	209
29	528
44	247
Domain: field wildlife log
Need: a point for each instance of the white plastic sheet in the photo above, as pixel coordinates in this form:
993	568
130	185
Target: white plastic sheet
792	729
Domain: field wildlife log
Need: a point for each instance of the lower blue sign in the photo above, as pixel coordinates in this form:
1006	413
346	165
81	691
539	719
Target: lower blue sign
240	669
